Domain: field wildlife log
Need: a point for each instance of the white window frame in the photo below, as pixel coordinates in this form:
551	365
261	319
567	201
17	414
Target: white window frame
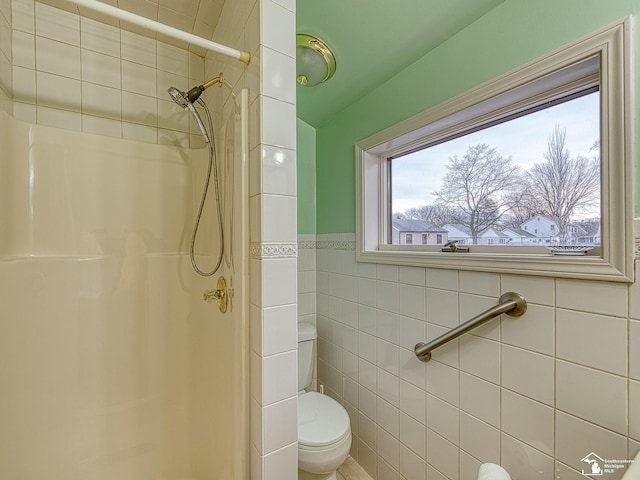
613	260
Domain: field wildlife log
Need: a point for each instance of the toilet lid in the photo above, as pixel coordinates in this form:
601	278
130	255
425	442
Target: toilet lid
321	420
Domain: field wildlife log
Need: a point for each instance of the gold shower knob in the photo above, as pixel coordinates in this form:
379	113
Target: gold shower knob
220	294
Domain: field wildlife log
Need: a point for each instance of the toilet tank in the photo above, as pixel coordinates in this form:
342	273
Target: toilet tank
307	335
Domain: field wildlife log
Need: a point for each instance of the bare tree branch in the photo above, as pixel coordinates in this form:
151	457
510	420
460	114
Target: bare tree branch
476	187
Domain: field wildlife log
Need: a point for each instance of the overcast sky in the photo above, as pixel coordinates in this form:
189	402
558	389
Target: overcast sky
415	176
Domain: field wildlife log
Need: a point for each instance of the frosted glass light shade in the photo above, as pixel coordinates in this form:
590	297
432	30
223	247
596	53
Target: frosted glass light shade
315	62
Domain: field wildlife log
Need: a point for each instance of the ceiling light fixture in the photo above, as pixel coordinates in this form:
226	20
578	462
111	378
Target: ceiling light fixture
315	62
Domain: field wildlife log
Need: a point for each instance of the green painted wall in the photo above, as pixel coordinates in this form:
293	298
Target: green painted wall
511	35
306	171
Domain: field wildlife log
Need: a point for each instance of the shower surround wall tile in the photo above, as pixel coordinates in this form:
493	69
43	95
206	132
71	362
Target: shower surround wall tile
535	393
59	52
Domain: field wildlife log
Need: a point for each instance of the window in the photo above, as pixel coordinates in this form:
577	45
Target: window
590	76
425	238
439	238
408	239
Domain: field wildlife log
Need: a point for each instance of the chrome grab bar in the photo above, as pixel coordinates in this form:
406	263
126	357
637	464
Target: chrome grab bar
511	303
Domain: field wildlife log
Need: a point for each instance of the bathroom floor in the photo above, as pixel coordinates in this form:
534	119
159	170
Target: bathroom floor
350	470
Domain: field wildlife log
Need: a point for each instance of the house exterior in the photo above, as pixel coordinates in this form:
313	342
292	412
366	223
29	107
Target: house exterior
586	232
462	234
542	226
519	236
417	232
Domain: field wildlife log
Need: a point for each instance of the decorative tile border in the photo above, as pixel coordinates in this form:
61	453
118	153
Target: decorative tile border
274	250
326	245
336	245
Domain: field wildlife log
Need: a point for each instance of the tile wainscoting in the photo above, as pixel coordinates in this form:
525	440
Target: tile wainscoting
535	394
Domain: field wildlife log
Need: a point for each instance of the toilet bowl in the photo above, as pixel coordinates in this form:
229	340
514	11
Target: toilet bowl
324	430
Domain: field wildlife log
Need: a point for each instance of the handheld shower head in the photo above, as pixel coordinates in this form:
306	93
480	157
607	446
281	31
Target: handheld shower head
183	100
179	97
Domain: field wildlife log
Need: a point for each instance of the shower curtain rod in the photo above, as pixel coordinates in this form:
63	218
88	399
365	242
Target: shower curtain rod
158	27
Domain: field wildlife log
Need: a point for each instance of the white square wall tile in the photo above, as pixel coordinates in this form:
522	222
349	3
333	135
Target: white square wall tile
413	435
537	290
281	464
442	418
172	59
441	278
140	109
101	101
281	33
524	461
278	279
388	387
387	295
443	381
576	438
24	85
591	394
100	69
278	218
278	170
413	401
23	50
388	448
57	58
607	298
387	356
138	49
480	357
367	429
57	24
529	421
23	13
411	465
528	373
480	399
278	75
411	369
442	307
534	330
278	122
279	377
388	417
99	37
442	454
412	276
601	341
280	424
139	78
479	439
53	91
411	301
279	329
480	283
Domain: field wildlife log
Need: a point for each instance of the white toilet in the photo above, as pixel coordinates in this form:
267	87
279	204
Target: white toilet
324	432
